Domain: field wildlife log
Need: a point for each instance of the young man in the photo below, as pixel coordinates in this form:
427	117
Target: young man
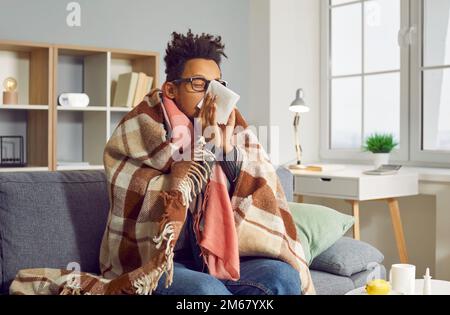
192	62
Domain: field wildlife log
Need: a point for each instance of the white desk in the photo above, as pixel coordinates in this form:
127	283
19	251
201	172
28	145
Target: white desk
353	186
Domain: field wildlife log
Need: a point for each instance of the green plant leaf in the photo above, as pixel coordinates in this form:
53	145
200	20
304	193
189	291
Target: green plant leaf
380	143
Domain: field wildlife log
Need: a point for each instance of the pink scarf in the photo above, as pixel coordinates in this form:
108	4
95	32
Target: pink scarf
219	237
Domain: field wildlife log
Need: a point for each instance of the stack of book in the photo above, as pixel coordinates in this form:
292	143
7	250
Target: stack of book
131	89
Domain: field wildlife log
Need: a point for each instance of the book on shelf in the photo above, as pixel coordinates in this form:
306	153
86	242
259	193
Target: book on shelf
143	86
131	89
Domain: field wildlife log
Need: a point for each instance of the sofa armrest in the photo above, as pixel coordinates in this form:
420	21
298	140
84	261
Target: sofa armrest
287	181
348	257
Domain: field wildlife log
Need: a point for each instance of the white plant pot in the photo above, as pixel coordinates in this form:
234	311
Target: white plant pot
380	159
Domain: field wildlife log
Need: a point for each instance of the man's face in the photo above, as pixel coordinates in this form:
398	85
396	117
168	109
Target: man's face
183	94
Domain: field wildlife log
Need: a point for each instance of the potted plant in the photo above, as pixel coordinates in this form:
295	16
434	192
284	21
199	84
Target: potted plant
381	145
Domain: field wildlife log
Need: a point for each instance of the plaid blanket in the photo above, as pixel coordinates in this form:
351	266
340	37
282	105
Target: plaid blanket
150	186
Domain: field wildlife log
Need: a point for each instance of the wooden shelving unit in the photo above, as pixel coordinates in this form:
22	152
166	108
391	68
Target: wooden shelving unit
32	65
55	135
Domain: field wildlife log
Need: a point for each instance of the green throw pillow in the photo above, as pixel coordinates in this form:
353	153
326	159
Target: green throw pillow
318	227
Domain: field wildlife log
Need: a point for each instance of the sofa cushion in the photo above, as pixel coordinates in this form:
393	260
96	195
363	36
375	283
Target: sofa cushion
348	257
329	284
51	219
318	227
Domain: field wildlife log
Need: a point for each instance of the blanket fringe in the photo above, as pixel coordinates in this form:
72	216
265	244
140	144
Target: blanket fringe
197	172
201	153
147	283
72	286
164	236
187	185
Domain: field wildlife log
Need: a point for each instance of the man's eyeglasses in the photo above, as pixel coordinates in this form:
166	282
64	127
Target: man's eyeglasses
199	84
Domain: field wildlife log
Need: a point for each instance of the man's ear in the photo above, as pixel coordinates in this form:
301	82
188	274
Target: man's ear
171	90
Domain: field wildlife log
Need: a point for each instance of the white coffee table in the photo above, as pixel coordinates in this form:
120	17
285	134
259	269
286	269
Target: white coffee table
438	287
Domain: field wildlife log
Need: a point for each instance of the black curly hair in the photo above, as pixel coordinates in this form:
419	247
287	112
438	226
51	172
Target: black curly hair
182	48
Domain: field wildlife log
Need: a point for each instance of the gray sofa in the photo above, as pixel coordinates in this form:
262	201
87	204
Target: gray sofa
55	219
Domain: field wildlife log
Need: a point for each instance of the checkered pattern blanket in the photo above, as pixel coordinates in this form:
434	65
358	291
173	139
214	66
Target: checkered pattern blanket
150	189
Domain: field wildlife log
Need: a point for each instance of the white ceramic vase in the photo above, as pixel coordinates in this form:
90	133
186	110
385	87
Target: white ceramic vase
380	159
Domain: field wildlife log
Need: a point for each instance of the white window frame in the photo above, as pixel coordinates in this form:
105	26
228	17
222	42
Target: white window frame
417	153
356	155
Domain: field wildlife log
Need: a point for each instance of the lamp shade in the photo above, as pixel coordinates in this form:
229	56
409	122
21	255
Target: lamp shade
298	105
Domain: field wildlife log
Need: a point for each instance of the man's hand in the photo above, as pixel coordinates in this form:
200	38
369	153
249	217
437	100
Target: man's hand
227	132
219	135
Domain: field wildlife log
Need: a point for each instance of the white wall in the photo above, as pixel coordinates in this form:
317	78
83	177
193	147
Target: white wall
259	67
291	31
295	63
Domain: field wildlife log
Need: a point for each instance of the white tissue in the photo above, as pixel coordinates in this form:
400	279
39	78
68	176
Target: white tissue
226	100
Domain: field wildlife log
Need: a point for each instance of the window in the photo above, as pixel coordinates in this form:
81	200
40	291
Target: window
378	67
430	89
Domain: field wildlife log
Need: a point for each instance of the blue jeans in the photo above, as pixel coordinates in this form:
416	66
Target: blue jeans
259	276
